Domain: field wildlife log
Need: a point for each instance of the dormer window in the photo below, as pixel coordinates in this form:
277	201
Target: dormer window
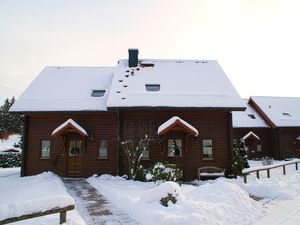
152	87
287	114
251	116
98	93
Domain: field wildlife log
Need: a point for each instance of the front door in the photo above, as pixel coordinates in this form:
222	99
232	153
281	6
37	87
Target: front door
75	157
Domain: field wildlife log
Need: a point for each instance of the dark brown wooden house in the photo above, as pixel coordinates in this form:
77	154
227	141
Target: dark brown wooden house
283	116
275	126
76	116
250	127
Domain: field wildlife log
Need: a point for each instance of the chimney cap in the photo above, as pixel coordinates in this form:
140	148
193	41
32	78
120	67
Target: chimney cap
133	49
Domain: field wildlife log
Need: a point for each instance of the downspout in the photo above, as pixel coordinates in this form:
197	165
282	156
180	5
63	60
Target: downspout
23	147
118	167
230	134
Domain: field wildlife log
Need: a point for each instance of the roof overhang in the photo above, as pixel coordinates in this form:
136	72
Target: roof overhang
176	122
69	126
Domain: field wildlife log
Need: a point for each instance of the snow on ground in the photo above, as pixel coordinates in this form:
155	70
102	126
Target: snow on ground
9	143
22	195
281	194
221	202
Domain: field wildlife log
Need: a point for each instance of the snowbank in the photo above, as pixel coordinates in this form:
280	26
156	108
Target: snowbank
24	195
220	202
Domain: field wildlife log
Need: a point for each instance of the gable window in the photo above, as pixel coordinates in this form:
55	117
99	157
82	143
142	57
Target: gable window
103	153
174	147
251	116
207	149
152	87
98	93
286	114
45	149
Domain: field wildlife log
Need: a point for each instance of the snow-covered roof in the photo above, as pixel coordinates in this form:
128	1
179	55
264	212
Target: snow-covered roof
250	134
69	124
66	89
182	83
247	118
281	111
176	121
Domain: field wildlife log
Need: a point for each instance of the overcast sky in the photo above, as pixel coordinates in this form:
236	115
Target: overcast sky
257	42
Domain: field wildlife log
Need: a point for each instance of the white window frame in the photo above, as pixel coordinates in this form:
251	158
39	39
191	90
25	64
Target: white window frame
207	147
100	156
45	148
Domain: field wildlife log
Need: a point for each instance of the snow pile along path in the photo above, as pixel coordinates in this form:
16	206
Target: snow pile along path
26	195
221	202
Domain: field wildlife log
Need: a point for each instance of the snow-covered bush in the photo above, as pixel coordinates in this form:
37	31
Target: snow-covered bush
10	160
164	194
141	174
162	172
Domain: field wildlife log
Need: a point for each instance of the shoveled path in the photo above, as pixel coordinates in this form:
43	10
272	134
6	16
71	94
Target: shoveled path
93	207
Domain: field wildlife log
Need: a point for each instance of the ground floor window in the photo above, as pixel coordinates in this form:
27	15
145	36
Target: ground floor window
103	152
45	149
174	147
145	153
258	147
207	149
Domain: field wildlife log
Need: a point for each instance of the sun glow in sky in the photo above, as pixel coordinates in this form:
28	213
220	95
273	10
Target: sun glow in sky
257	42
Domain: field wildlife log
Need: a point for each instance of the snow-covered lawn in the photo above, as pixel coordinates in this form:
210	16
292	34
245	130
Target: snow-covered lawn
22	195
221	201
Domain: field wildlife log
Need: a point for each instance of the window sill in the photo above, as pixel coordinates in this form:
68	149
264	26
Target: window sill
102	158
208	159
145	159
45	158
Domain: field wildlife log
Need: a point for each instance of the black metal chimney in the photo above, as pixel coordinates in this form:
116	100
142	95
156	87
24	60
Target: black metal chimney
133	57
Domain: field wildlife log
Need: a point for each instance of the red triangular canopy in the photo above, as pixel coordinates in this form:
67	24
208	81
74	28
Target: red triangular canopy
176	122
69	125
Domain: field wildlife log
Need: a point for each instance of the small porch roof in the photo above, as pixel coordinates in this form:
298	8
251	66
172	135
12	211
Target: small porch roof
250	135
175	121
69	125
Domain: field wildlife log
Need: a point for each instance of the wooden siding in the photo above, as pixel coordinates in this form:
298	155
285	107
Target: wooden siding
102	125
287	145
266	141
215	125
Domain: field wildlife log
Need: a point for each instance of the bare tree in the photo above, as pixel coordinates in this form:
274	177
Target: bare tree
136	142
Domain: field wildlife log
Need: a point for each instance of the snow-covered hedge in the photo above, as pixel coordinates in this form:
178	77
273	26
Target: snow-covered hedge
163	172
10	160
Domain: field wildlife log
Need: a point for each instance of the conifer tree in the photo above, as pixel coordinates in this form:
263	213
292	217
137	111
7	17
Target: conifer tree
239	158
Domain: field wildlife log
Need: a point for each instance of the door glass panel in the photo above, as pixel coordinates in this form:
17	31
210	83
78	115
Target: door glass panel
74	148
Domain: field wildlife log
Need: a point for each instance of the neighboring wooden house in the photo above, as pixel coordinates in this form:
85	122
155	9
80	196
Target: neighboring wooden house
76	116
250	127
283	116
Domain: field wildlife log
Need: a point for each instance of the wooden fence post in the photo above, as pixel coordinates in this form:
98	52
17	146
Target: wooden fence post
245	178
296	164
62	217
268	173
284	172
257	174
